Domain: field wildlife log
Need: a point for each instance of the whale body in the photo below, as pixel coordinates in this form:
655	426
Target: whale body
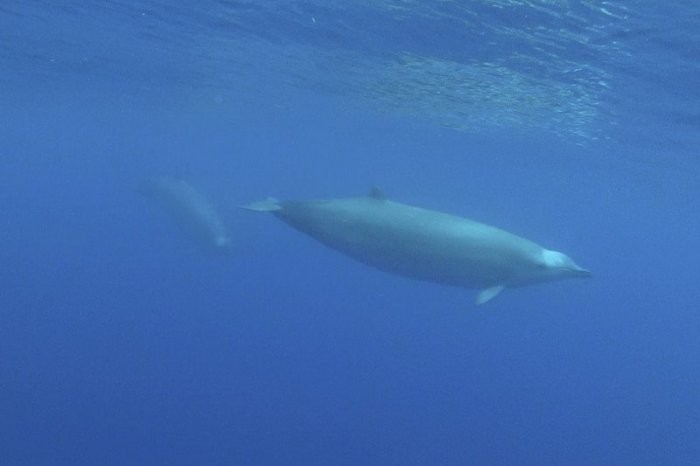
191	210
424	244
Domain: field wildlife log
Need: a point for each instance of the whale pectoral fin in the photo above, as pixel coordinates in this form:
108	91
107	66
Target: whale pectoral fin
487	294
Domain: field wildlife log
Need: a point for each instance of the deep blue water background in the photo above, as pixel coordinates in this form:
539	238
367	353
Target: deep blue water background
120	343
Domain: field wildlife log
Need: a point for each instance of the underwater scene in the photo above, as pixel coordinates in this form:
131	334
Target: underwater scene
323	232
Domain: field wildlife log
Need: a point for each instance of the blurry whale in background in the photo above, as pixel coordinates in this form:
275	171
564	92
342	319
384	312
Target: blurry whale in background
424	244
191	210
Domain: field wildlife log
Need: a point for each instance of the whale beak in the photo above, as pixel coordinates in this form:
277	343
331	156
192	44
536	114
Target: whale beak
581	272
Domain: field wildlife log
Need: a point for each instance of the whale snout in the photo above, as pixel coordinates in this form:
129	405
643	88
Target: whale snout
571	269
581	272
563	265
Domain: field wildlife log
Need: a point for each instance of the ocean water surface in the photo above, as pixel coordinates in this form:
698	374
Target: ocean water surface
575	123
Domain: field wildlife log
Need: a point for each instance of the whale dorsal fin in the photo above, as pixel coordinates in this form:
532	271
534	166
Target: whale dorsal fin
376	193
487	294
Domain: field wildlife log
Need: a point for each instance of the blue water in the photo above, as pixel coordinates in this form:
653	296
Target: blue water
574	123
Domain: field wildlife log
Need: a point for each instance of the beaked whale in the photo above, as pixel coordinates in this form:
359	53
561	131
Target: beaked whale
191	210
424	244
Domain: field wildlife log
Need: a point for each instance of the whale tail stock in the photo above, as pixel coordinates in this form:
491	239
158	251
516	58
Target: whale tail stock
268	205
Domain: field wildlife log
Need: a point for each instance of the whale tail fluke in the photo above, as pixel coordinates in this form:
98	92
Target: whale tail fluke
268	205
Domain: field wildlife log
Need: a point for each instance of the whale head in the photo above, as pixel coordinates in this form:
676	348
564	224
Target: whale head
545	266
555	265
